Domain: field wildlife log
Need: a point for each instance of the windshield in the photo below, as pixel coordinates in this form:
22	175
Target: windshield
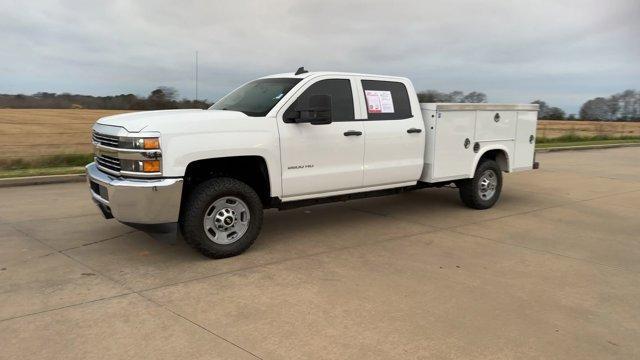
258	97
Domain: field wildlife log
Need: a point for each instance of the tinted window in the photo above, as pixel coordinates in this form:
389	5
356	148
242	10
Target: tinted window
386	100
256	98
341	98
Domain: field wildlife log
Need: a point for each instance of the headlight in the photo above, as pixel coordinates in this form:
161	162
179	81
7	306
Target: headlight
140	166
149	143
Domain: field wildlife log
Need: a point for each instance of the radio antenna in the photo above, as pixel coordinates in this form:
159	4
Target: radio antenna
196	75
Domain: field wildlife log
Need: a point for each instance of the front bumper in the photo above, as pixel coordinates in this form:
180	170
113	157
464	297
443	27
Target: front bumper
140	201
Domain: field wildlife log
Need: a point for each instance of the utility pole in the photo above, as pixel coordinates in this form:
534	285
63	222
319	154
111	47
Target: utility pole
196	75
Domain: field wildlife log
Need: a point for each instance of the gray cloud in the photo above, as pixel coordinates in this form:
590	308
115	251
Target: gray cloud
562	52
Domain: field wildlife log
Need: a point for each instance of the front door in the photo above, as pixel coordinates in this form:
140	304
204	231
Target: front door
325	158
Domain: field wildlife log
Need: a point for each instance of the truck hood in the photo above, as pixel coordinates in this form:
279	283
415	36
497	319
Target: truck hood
169	120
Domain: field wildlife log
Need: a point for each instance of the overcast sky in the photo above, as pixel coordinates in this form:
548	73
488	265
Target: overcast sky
563	52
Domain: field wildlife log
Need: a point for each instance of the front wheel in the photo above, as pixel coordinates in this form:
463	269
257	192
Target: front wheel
222	218
483	190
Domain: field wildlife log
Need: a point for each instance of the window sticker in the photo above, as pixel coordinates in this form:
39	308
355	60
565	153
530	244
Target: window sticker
379	101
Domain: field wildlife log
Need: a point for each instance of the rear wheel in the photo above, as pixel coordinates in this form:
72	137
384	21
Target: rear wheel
222	218
483	190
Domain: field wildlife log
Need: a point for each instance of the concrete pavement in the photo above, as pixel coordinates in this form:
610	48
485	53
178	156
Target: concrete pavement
552	271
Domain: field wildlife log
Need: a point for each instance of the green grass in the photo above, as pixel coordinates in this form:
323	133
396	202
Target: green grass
48	161
58	170
569	138
584	143
577	140
45	165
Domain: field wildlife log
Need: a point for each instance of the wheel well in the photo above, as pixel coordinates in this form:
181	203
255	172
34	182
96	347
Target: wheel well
252	170
499	156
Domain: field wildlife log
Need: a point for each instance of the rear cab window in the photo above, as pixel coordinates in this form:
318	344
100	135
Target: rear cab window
386	100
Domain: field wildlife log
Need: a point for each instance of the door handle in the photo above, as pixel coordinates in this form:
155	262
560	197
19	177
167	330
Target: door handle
414	130
352	133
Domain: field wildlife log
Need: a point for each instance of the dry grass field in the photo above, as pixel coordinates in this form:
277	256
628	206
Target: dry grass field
556	128
29	133
26	133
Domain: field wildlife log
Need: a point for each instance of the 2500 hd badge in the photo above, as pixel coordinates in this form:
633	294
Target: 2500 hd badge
296	167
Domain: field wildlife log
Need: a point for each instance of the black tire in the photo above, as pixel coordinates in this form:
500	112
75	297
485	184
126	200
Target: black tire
470	193
201	199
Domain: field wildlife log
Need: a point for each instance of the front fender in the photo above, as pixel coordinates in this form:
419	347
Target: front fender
181	150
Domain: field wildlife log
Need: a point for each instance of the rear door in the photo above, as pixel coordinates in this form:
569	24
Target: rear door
319	159
394	135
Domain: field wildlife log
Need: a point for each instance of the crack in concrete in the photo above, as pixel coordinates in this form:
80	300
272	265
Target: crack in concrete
124	285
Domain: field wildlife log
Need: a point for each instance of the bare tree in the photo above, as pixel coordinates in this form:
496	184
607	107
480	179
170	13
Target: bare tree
435	96
432	96
542	107
621	106
475	97
596	109
456	96
546	112
555	113
626	105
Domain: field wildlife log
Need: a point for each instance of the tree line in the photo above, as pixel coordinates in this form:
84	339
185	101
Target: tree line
624	106
159	99
545	112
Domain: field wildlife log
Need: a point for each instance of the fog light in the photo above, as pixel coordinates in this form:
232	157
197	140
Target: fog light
151	166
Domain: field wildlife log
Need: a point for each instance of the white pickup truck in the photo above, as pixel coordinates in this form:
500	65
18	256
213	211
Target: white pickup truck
298	139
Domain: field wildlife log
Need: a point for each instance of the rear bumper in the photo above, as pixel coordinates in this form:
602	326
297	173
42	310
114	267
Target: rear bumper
140	201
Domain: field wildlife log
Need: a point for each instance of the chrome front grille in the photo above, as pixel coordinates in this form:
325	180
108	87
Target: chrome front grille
119	153
106	140
109	162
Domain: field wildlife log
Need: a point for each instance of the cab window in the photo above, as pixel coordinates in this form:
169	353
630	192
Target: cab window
341	98
386	100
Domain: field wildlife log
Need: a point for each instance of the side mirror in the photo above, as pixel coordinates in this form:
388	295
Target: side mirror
317	111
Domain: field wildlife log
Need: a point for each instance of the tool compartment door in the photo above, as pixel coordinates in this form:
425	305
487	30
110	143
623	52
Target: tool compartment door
495	125
453	147
525	140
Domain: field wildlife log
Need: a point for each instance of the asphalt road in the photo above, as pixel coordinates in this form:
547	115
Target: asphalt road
551	272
